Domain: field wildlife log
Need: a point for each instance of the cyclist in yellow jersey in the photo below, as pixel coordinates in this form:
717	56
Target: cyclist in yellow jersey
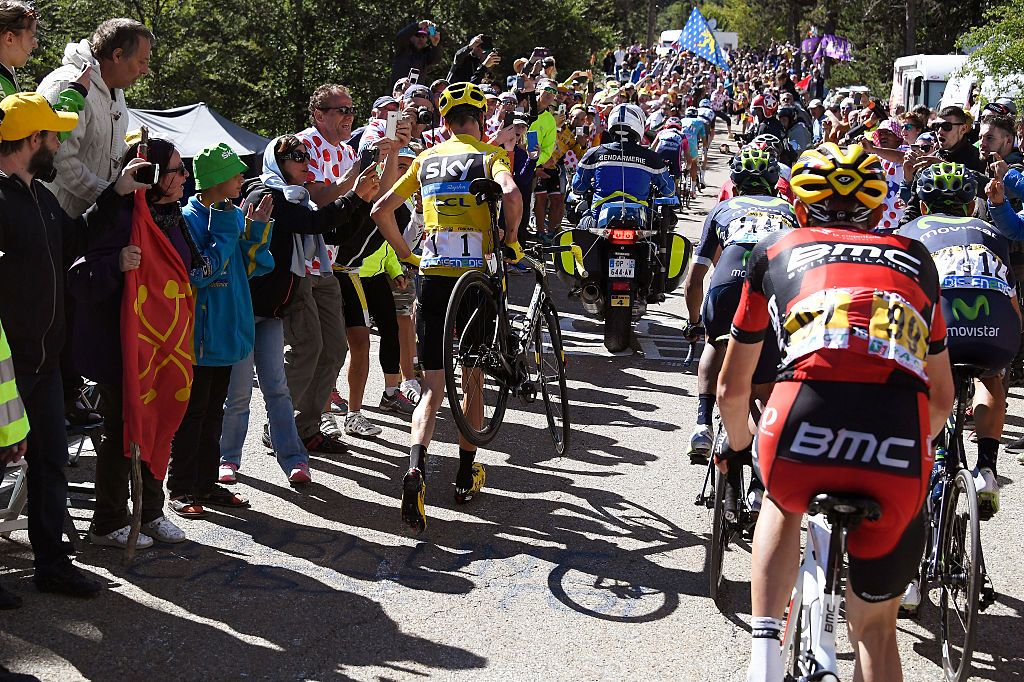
457	238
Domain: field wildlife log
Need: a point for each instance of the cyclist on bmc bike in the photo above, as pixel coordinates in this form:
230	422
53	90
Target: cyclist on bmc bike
457	239
858	320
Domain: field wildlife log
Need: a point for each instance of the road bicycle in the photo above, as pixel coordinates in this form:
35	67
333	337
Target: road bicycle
953	559
732	518
494	353
809	639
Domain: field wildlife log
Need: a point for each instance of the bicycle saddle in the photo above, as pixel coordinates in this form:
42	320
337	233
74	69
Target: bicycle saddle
485	189
972	371
848	506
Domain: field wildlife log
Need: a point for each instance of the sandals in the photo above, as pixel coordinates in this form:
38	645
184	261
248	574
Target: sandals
220	496
186	507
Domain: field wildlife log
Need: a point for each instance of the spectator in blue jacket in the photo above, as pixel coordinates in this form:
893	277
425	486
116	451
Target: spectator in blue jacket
236	244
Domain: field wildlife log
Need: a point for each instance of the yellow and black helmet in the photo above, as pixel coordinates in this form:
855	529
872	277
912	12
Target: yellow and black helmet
461	93
841	187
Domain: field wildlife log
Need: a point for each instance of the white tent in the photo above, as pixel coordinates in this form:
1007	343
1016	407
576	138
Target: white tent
194	127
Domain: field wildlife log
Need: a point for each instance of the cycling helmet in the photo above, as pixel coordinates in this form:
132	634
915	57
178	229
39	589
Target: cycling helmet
839	187
705	103
461	93
673	123
755	170
626	118
767	103
691	112
946	185
767	141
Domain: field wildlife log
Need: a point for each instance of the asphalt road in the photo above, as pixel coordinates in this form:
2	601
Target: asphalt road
588	566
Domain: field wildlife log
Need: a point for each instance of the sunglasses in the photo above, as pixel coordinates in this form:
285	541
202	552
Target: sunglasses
944	126
298	155
180	170
909	126
552	91
343	111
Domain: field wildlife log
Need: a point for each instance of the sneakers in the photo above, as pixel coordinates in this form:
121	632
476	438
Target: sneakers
162	530
411	390
300	475
397	402
119	538
267	443
1016	446
69	581
464	495
911	599
338	404
226	473
988	492
700	444
359	426
328	441
414	492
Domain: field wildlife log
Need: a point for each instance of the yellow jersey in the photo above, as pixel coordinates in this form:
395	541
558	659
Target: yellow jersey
457	230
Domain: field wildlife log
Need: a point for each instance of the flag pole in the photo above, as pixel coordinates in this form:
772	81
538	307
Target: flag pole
133	534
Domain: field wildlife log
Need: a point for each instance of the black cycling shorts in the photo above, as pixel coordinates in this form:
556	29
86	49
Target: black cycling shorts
720	305
982	328
432	307
671	159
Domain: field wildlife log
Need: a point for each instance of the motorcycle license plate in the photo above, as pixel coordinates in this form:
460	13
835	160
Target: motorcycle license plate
622	267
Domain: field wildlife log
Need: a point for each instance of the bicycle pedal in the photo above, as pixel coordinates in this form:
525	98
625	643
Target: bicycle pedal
988	595
698	457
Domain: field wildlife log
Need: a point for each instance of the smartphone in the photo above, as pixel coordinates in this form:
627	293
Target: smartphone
148	175
486	43
368	157
391	128
579	132
586	131
520	82
532	141
539	53
432	30
414	76
380	170
562	110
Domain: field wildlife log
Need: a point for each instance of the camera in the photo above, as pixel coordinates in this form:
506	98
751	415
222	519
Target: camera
424	116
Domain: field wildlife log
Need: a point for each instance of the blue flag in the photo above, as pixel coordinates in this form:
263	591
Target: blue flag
698	39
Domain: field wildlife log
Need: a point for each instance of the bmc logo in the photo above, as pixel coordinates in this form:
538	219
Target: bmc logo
852	253
860	446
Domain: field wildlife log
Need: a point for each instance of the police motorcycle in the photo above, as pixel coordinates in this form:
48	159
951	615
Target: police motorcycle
632	255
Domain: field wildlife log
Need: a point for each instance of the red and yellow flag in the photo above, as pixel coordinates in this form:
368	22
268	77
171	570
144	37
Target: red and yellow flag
157	315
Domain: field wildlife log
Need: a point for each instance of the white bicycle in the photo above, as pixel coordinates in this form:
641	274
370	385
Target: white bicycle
809	640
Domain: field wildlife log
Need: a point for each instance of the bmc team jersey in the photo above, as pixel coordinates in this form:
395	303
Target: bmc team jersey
847	306
457	230
736	226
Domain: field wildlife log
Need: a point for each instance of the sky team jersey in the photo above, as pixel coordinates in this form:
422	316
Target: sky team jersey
968	252
736	226
845	305
457	230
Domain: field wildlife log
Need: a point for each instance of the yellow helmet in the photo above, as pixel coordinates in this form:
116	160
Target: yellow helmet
837	186
461	93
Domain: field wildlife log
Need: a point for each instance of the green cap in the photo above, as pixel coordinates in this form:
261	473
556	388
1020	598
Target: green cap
214	165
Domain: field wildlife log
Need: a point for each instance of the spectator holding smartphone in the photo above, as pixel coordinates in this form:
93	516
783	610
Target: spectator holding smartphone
473	61
417	46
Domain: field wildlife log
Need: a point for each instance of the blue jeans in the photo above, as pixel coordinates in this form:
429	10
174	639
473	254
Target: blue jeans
268	356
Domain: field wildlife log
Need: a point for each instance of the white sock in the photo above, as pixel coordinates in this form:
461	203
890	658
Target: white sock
352	413
390	390
765	652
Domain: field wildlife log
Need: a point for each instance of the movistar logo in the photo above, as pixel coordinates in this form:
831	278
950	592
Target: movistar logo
970	311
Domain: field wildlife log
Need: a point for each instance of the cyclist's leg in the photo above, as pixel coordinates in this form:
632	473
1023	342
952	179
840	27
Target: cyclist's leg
556	201
432	307
872	629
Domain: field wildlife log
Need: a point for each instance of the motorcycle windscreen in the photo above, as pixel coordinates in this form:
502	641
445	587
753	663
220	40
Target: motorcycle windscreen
679	255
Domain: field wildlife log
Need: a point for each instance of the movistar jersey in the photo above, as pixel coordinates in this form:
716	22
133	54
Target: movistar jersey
622	170
457	230
968	252
735	226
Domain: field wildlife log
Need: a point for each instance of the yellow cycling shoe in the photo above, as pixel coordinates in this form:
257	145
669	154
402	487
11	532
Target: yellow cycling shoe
414	493
464	495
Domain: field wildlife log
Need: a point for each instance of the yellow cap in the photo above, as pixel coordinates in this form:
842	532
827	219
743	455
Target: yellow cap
25	113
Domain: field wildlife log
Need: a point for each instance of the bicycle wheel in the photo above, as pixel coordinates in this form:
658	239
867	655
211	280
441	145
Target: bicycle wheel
719	539
959	577
550	358
477	394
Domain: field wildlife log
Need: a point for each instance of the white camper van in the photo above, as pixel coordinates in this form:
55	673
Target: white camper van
922	78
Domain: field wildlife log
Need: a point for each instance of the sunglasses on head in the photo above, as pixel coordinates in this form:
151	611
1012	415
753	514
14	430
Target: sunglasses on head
298	155
552	91
344	111
944	126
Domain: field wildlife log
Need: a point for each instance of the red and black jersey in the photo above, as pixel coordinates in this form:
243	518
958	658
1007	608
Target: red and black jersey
845	305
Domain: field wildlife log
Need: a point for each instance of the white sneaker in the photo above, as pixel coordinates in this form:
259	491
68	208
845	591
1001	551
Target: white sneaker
357	425
119	538
163	530
226	473
701	439
988	489
911	596
412	391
